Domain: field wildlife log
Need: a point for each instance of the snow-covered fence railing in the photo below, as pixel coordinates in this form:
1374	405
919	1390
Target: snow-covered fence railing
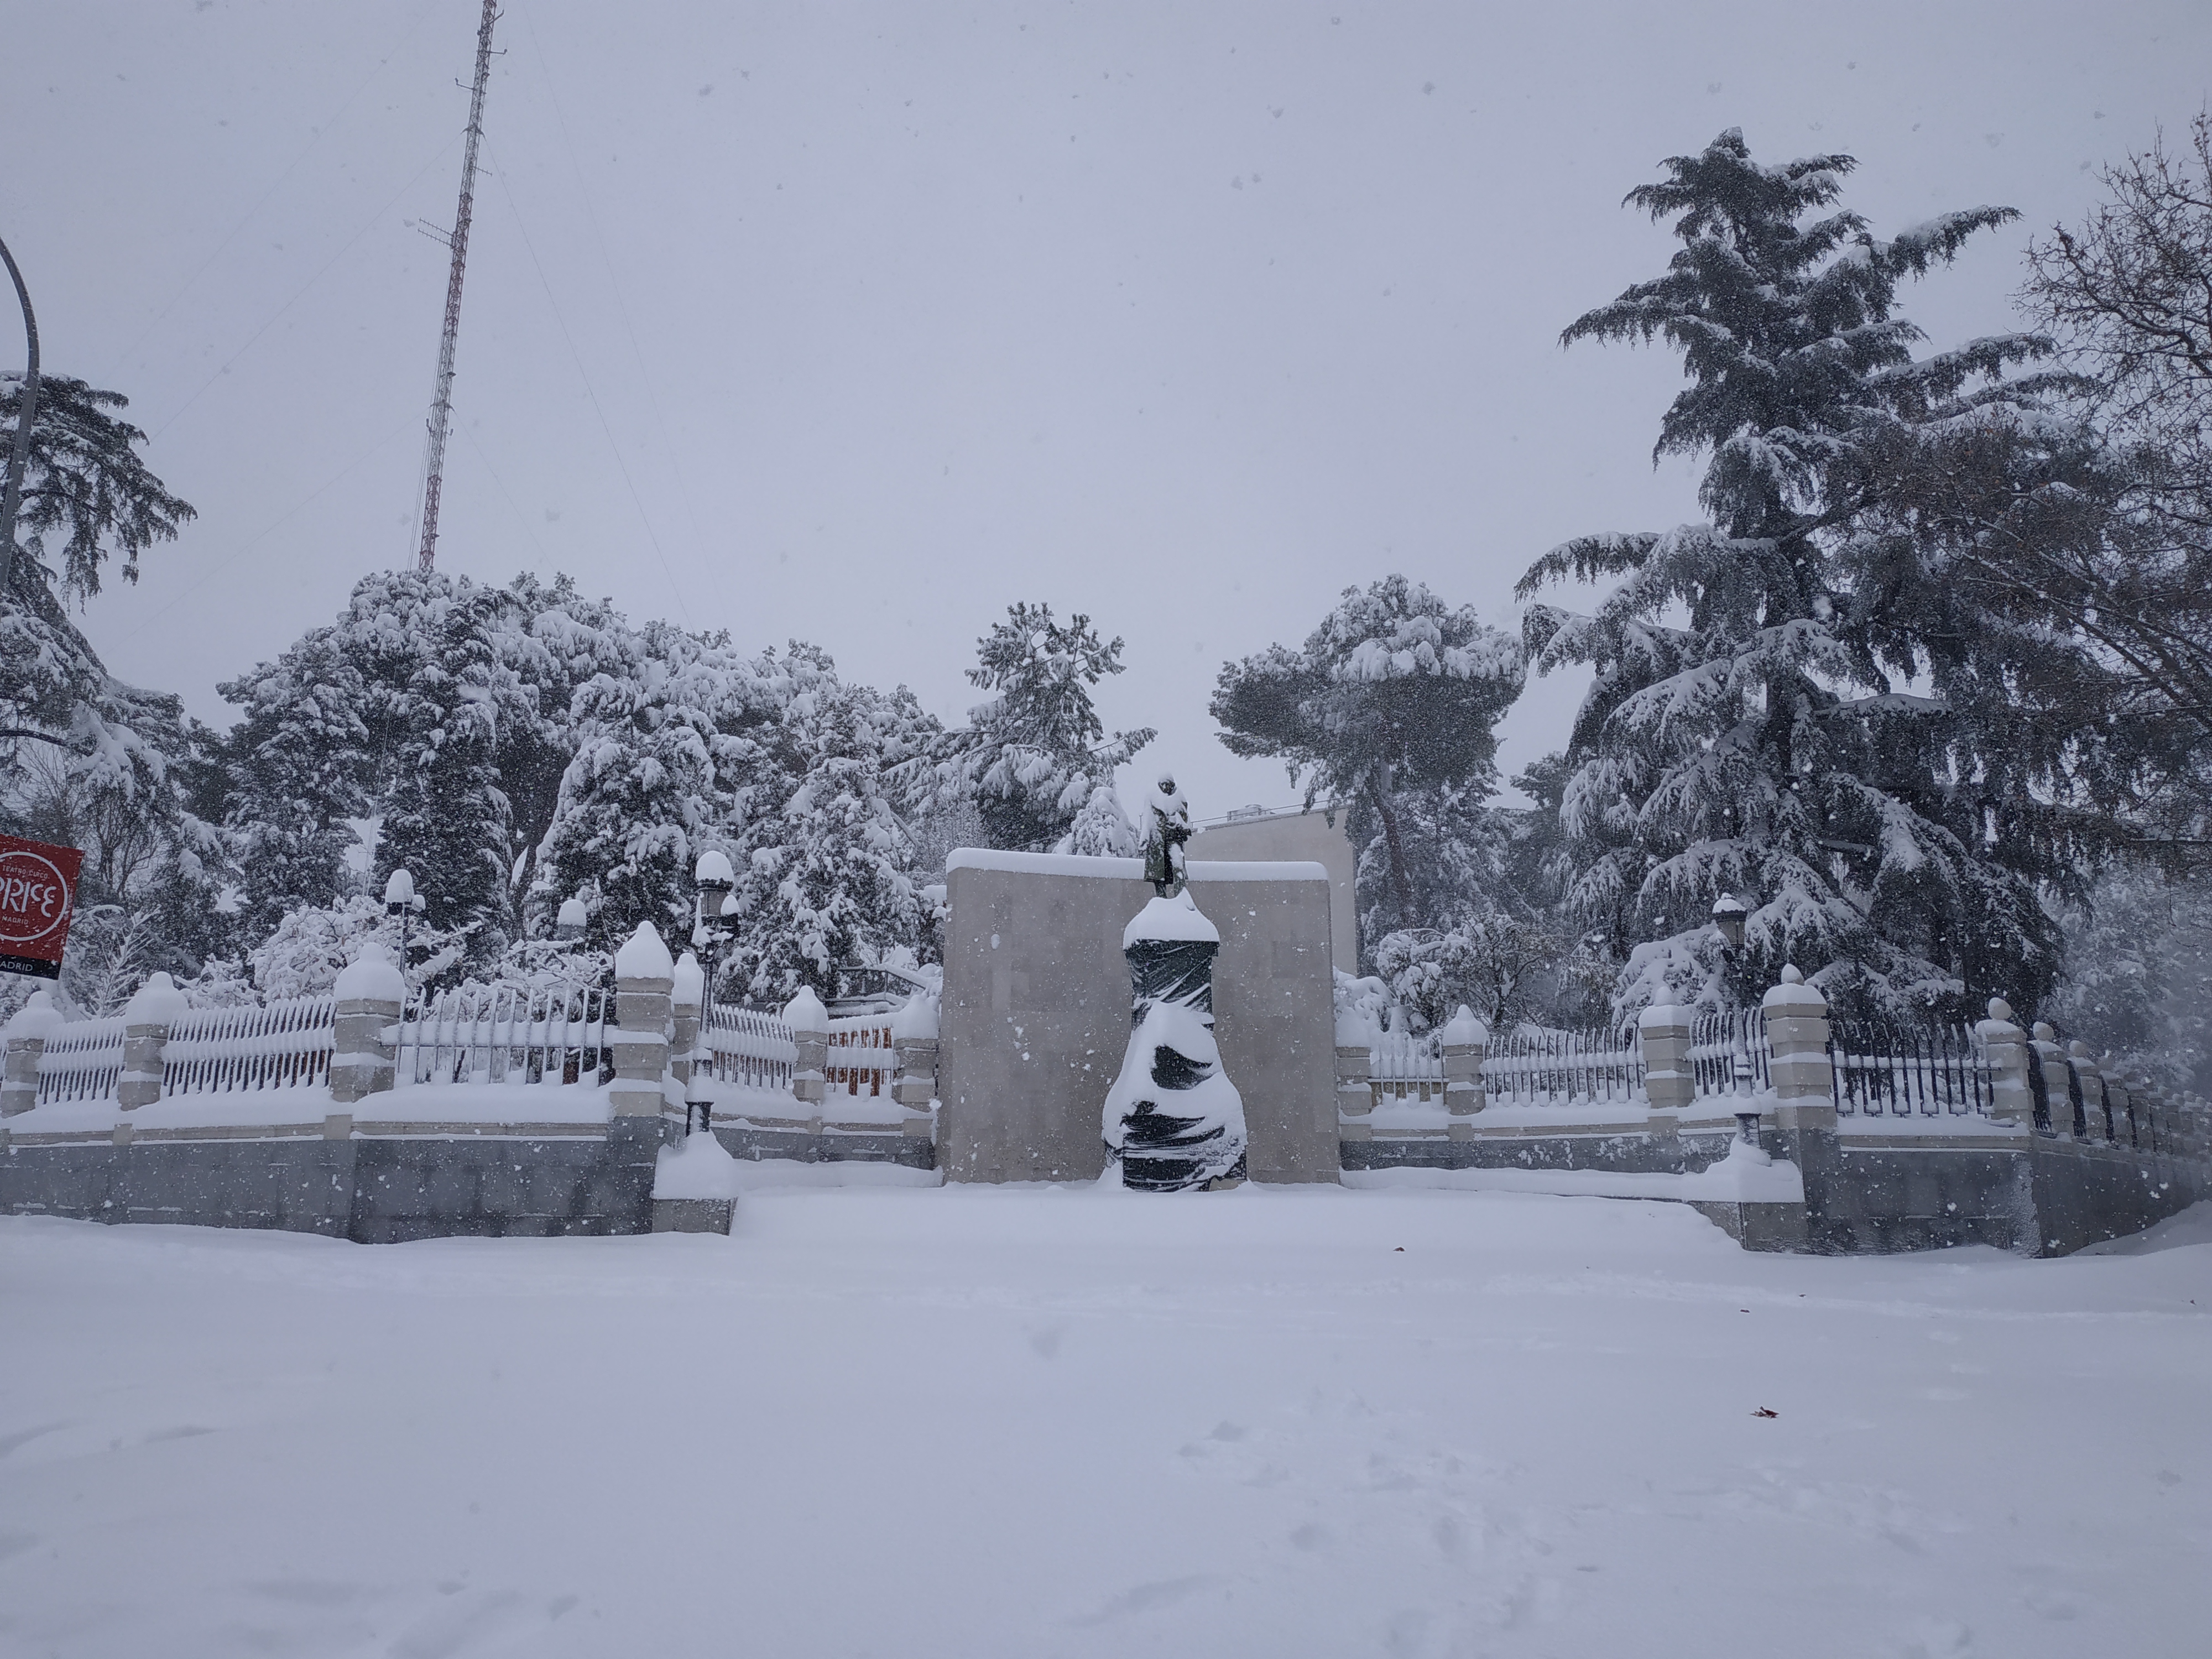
1907	1070
505	1034
1533	1067
1400	1065
1729	1053
283	1045
82	1060
861	1059
750	1048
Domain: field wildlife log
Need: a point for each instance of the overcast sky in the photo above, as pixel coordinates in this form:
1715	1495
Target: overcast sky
856	323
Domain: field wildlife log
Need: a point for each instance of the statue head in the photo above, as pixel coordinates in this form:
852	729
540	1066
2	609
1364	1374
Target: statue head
1167	783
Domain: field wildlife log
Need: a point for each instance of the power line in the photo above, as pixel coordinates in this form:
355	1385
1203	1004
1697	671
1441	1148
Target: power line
644	517
622	305
231	235
302	290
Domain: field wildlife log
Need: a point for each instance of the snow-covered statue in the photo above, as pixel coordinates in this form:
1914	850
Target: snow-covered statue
1166	826
1174	1121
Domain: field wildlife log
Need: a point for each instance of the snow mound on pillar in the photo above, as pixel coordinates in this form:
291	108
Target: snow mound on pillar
700	1168
644	956
1176	918
157	1002
372	977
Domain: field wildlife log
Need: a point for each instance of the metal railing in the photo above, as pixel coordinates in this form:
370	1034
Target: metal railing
505	1034
82	1062
748	1049
1729	1053
1533	1066
861	1059
284	1045
1885	1070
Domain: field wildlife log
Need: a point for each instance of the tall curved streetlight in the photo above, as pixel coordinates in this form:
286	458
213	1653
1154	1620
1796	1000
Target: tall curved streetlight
27	411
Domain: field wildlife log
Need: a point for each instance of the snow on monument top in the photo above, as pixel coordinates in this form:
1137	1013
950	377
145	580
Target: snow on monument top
157	1002
1175	918
370	977
643	956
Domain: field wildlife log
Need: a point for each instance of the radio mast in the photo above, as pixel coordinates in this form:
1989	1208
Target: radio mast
441	400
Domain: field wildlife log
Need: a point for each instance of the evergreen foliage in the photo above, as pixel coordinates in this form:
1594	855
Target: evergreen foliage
1794	701
1386	712
827	878
1034	755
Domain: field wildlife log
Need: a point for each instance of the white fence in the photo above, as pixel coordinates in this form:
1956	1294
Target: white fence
286	1045
82	1062
1535	1068
1527	1067
750	1049
861	1060
505	1034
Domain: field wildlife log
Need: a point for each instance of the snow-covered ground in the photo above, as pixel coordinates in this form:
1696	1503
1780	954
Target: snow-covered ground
905	1421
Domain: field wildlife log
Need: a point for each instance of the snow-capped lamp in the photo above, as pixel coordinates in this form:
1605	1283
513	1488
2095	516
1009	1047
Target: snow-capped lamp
1730	914
400	895
402	902
569	927
717	908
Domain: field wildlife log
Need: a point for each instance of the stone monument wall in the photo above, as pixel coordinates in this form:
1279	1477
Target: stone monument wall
1035	1012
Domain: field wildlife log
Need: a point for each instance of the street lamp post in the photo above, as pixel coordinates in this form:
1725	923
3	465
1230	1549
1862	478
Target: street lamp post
1730	914
710	930
11	494
402	904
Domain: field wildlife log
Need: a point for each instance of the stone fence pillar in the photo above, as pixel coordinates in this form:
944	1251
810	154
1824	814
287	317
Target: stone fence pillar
810	1034
2011	1100
1662	1038
687	1010
1465	1042
25	1038
2050	1062
1798	1042
153	1009
369	999
645	978
2094	1114
913	1049
1355	1070
1803	1079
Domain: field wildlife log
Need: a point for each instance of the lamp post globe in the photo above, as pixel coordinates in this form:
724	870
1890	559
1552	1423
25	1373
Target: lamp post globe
1729	913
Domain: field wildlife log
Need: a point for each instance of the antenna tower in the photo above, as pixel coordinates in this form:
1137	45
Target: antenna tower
441	401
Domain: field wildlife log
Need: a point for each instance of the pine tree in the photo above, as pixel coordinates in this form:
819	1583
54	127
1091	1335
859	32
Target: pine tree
827	879
1388	711
675	750
1034	754
1792	702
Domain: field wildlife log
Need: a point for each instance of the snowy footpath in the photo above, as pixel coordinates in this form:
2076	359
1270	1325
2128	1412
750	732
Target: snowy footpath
907	1421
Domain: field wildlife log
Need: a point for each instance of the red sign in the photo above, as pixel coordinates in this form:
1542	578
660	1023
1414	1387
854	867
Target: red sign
38	890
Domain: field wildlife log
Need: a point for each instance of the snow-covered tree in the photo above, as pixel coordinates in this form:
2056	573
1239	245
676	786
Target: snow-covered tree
1387	711
826	881
85	759
1792	701
2137	985
676	748
1034	755
1101	828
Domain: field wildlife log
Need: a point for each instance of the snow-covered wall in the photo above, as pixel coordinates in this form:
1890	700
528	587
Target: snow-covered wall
1035	1011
